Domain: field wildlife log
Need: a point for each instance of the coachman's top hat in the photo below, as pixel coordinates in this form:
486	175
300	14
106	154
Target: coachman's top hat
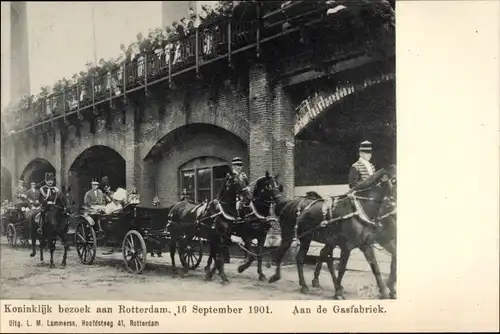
94	181
49	176
237	161
365	146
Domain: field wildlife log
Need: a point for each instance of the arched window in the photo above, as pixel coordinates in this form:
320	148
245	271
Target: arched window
202	178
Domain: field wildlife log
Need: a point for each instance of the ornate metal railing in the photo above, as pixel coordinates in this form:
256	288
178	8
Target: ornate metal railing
201	46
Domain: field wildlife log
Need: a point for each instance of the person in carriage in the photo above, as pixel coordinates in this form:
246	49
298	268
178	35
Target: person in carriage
20	194
33	194
48	195
94	198
363	168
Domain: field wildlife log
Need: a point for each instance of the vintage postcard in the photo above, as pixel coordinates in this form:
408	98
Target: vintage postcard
232	166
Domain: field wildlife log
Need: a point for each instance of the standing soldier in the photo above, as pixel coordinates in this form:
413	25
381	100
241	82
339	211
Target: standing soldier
363	168
33	194
48	195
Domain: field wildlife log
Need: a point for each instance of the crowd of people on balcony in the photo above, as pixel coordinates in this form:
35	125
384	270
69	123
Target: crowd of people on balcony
158	54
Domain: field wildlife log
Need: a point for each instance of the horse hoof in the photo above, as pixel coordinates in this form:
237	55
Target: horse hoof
63	265
274	278
208	278
262	278
52	265
225	282
304	289
207	269
338	296
315	283
32	254
241	269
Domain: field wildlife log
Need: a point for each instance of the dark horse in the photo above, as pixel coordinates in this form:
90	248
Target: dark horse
190	219
256	220
349	225
386	236
55	225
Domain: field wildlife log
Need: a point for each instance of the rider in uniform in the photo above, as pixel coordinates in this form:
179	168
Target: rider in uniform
48	195
235	174
363	168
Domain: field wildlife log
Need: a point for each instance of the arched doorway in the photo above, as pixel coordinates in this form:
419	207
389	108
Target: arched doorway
6	193
327	145
94	163
193	157
35	171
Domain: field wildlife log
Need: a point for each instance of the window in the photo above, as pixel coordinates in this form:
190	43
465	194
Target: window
203	178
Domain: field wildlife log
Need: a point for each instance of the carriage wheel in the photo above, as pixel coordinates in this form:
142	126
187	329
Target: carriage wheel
86	243
11	235
191	252
134	252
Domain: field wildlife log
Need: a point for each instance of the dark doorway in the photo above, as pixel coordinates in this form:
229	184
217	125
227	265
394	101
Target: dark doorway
35	172
94	163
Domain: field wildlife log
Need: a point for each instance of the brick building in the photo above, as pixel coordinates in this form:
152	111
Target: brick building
293	100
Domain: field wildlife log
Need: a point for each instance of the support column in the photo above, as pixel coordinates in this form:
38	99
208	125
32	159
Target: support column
61	177
130	130
260	143
283	139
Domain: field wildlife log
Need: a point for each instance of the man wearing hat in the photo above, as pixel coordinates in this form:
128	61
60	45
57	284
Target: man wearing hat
33	194
48	195
236	174
94	196
363	168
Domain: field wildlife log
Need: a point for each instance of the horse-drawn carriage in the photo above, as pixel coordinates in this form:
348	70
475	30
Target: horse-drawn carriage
15	222
140	230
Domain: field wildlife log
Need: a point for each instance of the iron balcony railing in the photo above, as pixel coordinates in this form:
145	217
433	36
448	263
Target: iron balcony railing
201	46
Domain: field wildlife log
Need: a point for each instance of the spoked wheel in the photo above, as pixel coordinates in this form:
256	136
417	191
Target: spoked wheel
191	252
86	244
134	252
11	235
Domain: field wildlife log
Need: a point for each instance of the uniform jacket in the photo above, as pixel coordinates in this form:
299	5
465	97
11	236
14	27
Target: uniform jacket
48	194
359	172
33	195
94	198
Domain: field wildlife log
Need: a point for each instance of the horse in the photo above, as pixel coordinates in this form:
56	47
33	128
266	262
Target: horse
350	226
186	218
256	221
219	220
55	225
385	236
288	216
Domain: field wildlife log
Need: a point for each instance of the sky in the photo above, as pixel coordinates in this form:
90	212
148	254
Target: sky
61	37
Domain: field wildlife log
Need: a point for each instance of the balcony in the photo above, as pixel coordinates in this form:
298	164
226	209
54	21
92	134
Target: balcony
255	25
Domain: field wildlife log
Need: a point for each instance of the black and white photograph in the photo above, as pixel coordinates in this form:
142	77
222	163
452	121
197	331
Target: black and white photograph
198	150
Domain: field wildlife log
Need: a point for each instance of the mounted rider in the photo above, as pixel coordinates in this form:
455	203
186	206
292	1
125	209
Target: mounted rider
363	168
48	196
360	171
238	175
